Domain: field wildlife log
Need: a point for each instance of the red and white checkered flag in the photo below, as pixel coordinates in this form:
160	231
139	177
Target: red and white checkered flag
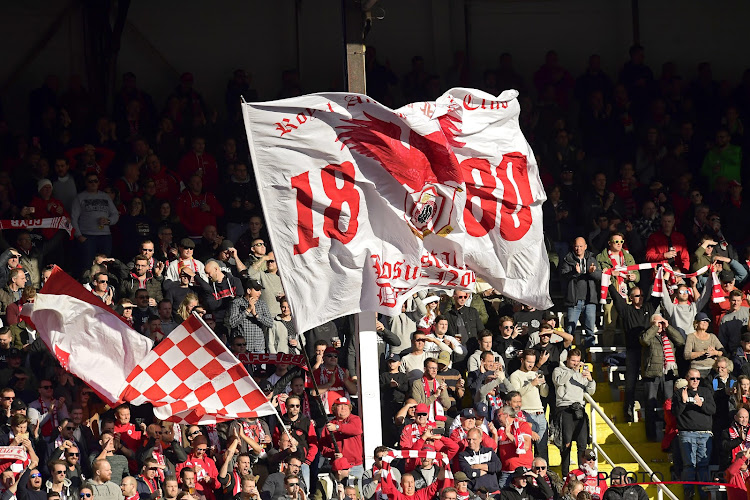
191	377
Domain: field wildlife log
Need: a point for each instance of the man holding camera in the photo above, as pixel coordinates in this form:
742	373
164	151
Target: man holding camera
532	386
693	406
521	486
570	382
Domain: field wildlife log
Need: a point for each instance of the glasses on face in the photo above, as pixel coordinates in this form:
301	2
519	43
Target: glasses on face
540	467
147	250
332	355
92	181
259	245
421	414
103	281
292	406
59	472
508	327
70	428
74	454
271	261
8	398
195	433
203	450
292	484
694	378
683	292
45	387
85	495
636	295
153	468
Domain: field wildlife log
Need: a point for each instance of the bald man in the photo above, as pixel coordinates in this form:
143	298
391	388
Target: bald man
581	276
219	290
129	488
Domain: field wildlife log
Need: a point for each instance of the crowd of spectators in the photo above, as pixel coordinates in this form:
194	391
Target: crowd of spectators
638	169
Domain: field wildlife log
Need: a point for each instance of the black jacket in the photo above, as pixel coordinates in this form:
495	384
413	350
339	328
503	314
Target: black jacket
635	321
571	278
471	319
691	417
541	491
628	492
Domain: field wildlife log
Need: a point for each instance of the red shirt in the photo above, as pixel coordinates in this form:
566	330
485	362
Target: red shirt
191	214
511	451
203	165
206	474
167	185
44	209
129	436
658	245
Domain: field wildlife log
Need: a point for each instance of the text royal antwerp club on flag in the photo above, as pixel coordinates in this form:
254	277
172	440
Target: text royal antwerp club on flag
189	377
366	205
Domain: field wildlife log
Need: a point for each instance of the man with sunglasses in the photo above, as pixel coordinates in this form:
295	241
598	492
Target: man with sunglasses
149	484
72	461
59	482
272	288
334	382
30	485
346	428
302	430
636	318
544	473
615	256
52	410
693	406
92	214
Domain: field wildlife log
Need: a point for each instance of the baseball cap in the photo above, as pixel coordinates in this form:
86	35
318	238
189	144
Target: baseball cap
187	243
548	315
254	284
342	401
393	357
13	352
18	404
701	316
468	413
422	408
589	454
520	472
444	358
331	350
340	464
460	476
428	448
226	245
726	276
618	472
265	386
482	410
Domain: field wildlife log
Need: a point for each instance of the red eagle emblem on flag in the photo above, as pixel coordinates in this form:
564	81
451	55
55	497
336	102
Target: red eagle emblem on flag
426	162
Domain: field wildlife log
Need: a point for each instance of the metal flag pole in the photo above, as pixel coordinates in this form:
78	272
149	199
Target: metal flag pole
318	396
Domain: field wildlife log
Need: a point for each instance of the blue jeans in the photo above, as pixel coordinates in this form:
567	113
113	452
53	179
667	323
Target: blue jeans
92	246
541	445
305	469
588	318
740	274
357	472
696	453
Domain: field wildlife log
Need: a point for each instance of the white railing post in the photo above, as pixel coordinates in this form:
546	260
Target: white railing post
595	408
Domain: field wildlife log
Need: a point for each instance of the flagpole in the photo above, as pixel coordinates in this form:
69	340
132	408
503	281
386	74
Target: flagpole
275	411
318	396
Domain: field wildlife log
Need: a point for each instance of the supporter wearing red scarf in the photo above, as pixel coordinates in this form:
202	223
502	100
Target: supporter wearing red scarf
737	475
420	434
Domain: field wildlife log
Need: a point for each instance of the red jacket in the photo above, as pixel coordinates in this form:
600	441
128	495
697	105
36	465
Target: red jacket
658	245
167	185
46	209
348	437
204	165
733	475
428	493
596	485
411	441
206	474
192	217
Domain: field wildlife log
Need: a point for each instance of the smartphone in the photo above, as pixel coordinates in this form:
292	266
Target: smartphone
497	359
138	422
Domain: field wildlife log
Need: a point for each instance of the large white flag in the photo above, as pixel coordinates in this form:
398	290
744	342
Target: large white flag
366	205
87	337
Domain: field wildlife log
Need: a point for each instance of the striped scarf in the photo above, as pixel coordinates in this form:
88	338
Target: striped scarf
658	288
670	363
385	475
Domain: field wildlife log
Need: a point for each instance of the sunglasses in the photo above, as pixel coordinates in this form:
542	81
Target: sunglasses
8	398
195	433
508	327
70	428
636	295
201	449
59	472
292	484
259	245
45	387
73	454
36	475
85	495
271	260
332	355
540	467
292	406
421	414
694	378
103	281
153	468
618	241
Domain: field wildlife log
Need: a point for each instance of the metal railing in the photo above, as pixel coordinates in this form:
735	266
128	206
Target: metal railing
661	489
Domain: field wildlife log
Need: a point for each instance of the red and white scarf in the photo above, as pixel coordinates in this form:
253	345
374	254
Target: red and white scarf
141	280
52	422
670	363
254	431
658	287
618	260
734	433
391	455
437	412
